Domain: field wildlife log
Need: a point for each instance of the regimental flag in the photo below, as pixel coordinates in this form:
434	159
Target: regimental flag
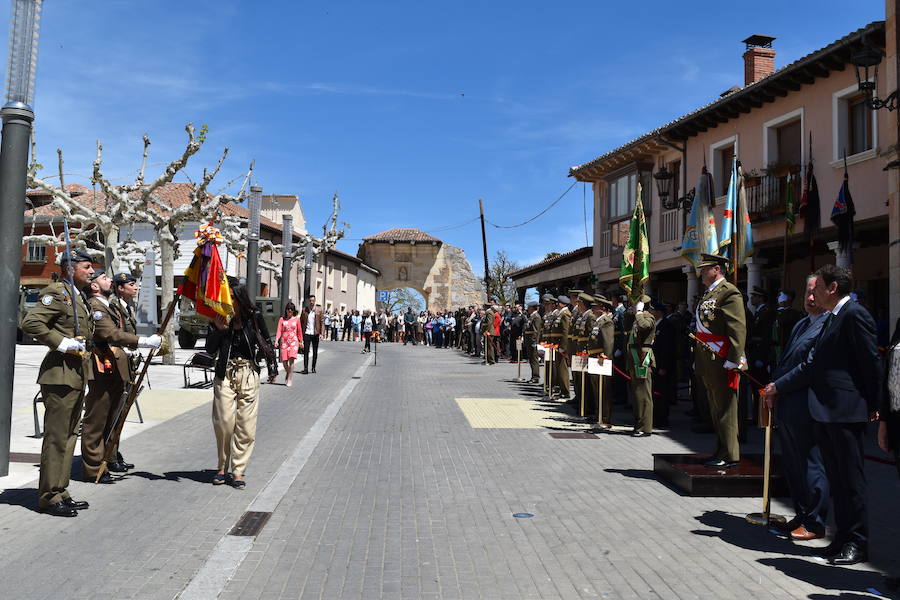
809	204
204	280
635	269
736	242
790	206
700	232
842	215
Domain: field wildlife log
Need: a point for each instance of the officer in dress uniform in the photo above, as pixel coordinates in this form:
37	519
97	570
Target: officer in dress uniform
600	345
125	290
581	329
563	330
530	337
640	362
548	335
722	330
62	376
112	372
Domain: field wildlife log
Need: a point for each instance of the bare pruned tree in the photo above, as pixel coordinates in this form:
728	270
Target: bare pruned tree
502	287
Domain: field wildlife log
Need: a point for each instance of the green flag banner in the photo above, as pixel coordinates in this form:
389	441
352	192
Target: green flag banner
635	269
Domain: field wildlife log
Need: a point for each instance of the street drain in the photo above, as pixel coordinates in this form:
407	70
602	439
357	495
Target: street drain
250	524
523	515
573	435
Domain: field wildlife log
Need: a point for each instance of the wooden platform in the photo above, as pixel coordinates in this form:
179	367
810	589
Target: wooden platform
687	473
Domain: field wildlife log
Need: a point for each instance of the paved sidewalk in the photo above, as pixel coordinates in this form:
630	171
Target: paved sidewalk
401	497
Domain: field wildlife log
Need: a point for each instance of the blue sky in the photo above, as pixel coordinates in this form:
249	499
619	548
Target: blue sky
412	111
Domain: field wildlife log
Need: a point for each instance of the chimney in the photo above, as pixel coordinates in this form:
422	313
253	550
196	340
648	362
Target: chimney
759	58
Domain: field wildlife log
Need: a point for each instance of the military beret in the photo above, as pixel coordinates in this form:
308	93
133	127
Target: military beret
758	291
708	260
564	300
585	297
548	298
77	255
123	278
97	273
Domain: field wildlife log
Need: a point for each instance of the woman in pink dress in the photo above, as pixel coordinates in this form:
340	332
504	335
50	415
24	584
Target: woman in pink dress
289	339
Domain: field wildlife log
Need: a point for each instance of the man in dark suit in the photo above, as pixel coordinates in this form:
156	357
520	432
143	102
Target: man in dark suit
801	457
666	359
844	372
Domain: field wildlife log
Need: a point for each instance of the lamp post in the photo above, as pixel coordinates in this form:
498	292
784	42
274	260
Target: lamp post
254	204
307	269
17	118
664	179
287	248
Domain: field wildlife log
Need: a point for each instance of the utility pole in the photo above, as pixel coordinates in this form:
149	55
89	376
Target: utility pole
17	118
487	274
287	248
307	269
254	204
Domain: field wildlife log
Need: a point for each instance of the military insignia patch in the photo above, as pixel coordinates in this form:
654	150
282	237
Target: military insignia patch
47	300
97	315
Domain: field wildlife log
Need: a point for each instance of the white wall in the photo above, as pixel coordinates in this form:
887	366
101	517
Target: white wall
365	290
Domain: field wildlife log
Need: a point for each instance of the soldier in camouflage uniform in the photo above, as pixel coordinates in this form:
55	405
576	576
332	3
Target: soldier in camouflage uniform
62	376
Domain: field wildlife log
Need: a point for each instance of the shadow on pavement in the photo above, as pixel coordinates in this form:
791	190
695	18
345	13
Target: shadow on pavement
734	530
202	476
830	577
24	497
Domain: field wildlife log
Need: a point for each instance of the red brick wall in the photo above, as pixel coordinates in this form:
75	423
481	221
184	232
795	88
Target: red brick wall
758	63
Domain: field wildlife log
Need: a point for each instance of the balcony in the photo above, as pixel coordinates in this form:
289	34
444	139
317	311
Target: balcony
767	194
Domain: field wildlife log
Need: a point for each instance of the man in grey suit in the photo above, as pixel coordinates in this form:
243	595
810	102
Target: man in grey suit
801	457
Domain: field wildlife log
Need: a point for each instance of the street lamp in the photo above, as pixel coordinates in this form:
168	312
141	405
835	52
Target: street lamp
17	118
287	251
865	61
254	204
664	179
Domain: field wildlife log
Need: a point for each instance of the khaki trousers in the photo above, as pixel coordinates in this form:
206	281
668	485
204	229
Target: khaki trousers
533	360
561	372
104	394
723	406
235	404
62	406
490	356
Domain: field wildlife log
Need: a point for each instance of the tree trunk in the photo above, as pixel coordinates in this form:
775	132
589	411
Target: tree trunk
111	253
167	260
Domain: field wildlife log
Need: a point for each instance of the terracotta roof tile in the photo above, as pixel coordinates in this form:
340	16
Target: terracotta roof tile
400	234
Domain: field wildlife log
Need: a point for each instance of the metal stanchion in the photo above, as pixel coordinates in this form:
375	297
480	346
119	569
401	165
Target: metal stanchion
765	518
582	387
519	359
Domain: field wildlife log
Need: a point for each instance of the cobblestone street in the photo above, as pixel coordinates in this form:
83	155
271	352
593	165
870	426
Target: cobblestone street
379	486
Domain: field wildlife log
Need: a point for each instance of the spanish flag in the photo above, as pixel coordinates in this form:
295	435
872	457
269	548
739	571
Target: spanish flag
204	280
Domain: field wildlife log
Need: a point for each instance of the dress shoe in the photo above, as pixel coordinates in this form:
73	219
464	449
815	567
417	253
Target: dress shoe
121	460
832	549
804	535
850	554
76	504
59	509
313	369
117	467
718	463
639	434
93	478
786	527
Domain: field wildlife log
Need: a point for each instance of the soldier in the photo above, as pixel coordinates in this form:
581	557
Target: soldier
722	331
111	372
531	335
563	331
62	377
759	334
487	330
785	318
639	359
581	329
600	344
548	334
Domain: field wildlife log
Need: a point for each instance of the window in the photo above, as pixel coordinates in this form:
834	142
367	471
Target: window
343	307
330	276
343	278
622	193
37	253
859	125
328	305
319	287
722	154
854	127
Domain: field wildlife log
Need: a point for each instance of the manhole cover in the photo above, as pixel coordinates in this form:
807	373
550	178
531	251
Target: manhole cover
572	435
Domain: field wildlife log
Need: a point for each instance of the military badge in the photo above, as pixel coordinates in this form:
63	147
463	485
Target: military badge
97	315
47	300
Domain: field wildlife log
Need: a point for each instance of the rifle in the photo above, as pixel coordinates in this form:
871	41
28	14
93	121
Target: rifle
132	390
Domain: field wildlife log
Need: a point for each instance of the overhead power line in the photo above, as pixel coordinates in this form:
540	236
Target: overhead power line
552	204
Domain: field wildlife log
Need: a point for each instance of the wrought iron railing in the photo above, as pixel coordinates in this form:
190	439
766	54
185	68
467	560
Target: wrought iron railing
767	194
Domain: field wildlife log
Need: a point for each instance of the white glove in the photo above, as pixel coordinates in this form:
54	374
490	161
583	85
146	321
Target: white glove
71	345
730	365
129	351
152	341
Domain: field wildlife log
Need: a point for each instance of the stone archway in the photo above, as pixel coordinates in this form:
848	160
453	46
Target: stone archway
412	258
